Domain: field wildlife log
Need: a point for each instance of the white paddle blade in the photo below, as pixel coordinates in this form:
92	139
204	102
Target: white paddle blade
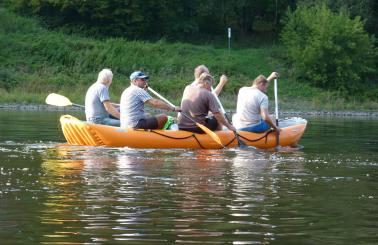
57	100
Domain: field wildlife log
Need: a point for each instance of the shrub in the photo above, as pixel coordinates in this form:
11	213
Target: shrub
328	49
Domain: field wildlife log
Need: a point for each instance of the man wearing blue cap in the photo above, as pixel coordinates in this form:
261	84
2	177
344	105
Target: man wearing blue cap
132	103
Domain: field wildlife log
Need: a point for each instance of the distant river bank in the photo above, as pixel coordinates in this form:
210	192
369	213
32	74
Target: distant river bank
42	107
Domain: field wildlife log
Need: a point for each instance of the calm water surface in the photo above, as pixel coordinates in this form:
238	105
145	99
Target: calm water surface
323	193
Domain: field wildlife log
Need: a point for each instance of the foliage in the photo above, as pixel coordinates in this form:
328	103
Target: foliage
35	61
366	9
328	49
153	20
40	60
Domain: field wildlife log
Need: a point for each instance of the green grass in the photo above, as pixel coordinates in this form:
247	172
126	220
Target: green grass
35	61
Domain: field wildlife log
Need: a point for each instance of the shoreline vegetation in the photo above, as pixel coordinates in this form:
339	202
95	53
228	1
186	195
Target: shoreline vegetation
284	113
36	61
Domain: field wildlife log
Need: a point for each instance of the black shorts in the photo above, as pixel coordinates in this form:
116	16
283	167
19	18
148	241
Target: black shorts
147	123
211	123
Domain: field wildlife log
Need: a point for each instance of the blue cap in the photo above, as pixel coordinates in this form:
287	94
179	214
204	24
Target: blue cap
138	74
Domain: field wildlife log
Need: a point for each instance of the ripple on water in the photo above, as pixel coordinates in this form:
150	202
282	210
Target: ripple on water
241	196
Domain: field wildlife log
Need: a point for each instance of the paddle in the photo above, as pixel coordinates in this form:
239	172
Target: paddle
60	100
240	142
213	135
276	105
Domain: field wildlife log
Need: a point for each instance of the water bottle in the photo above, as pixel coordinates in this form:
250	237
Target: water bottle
174	127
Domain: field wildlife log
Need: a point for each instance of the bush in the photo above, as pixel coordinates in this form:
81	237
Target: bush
328	49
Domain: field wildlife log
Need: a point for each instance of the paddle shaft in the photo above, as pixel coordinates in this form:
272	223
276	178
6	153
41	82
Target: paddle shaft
219	103
203	127
77	105
240	142
276	100
206	130
191	119
168	102
276	109
161	97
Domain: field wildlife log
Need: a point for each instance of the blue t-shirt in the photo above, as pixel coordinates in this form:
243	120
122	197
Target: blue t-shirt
94	107
132	105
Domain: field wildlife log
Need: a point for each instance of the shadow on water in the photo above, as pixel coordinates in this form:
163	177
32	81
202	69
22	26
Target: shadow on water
322	192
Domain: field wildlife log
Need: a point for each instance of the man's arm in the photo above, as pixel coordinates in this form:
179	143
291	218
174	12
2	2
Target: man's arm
221	119
272	76
223	80
111	109
265	116
162	105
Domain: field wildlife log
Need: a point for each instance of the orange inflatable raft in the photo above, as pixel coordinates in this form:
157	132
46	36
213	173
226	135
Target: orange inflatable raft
79	132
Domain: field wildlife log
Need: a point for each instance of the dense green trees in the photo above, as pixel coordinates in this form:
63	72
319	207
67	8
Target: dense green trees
327	46
366	9
179	19
329	49
150	19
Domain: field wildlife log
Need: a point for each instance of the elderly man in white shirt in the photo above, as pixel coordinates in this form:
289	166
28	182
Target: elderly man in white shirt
98	107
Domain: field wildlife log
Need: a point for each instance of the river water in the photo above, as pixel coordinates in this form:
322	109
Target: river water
324	192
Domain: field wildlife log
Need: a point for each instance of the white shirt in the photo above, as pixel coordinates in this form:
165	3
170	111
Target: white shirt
132	105
94	107
248	110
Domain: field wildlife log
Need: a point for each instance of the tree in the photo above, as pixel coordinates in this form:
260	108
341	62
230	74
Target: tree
151	19
366	9
328	49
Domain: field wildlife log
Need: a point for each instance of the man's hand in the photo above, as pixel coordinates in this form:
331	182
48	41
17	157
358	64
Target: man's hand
177	109
272	76
111	109
223	79
232	128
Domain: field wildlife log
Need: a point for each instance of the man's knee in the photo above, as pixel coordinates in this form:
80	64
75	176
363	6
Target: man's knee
161	119
212	124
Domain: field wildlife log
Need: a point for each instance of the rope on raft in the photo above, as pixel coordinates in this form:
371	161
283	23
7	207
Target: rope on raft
264	136
252	140
194	136
179	138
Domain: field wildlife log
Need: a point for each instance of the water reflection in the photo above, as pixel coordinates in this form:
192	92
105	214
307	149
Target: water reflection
160	196
51	193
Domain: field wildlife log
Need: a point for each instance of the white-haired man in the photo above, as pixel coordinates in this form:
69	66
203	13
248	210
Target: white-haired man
97	101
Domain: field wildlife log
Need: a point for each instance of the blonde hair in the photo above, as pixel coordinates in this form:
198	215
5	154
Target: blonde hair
260	80
105	76
200	70
206	78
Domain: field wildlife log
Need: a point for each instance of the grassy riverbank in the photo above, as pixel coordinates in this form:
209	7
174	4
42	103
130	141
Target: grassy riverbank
35	61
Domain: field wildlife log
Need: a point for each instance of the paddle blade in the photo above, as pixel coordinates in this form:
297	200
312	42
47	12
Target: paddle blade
213	135
57	100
